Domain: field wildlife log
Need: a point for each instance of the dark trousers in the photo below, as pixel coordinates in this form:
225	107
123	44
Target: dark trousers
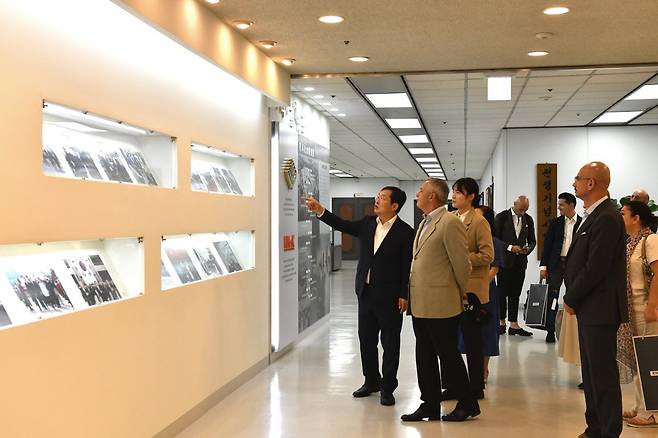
474	346
379	317
598	352
438	337
510	283
555	278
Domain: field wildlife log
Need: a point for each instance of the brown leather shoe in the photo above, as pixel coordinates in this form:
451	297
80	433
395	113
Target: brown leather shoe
583	435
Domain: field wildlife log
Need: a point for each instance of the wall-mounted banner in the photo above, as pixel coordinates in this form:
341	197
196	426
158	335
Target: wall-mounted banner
546	201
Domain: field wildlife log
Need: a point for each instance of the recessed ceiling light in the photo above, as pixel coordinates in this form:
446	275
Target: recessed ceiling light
343	175
342	115
389	100
331	19
267	44
212	2
335	171
359	59
427	160
325	103
288	61
318	96
243	24
645	92
499	88
617	116
309	88
420	151
421	138
431	166
333	109
558	10
538	53
403	123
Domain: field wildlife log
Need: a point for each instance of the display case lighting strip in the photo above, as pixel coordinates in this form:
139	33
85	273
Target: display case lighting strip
211	150
84	116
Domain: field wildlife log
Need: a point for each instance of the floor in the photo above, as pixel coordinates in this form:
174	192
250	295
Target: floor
307	393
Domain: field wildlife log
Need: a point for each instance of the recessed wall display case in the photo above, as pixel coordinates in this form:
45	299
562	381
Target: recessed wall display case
42	280
197	257
219	171
78	144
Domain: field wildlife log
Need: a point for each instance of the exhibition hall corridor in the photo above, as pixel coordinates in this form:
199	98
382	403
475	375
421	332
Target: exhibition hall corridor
307	393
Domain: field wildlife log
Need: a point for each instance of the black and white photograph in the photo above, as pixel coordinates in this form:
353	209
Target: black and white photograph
183	265
197	182
223	184
4	318
208	261
228	256
166	280
51	163
210	182
39	289
114	168
137	164
93	279
81	163
230	178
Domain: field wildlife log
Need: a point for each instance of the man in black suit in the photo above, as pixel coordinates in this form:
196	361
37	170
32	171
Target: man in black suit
596	293
557	240
382	285
642	196
517	229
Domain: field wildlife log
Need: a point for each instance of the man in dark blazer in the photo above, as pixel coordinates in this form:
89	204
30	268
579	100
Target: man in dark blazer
382	286
517	229
596	293
557	240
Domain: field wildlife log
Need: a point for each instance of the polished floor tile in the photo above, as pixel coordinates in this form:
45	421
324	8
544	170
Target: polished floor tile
307	393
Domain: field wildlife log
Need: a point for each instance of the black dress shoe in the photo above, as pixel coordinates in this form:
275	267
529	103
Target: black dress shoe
518	332
581	386
502	329
386	398
461	414
550	338
446	394
478	395
365	391
421	414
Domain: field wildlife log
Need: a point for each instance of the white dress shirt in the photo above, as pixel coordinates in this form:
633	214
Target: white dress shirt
518	226
380	233
429	217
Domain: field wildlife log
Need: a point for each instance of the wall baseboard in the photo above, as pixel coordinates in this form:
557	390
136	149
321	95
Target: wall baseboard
209	402
305	334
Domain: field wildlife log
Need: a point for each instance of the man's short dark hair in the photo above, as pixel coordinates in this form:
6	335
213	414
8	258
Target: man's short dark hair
568	198
397	196
468	186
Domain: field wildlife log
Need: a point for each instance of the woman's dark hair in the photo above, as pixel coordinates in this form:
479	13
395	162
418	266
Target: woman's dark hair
639	208
489	215
468	186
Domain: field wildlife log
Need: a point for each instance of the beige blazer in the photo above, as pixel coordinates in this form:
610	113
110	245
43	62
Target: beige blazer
481	254
439	269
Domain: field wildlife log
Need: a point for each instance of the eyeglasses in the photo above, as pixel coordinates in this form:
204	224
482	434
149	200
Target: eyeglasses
580	178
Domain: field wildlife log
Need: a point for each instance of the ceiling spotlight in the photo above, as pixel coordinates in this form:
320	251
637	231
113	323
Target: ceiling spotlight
318	96
212	2
359	59
331	19
242	24
558	10
309	88
538	53
333	109
288	61
267	44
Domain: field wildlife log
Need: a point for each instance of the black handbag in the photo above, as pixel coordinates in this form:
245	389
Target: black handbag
474	310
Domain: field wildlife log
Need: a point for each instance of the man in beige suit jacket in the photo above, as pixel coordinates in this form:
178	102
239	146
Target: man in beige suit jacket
438	282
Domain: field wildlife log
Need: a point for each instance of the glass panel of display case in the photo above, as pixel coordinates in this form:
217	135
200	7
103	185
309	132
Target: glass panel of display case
43	280
78	144
218	171
197	257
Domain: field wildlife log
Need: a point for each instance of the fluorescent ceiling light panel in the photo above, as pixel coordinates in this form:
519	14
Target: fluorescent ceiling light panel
617	116
403	123
309	89
431	166
644	93
389	100
499	88
318	96
343	175
422	138
427	160
335	171
421	151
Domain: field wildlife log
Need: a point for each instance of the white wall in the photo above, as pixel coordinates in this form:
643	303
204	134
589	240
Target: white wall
631	152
